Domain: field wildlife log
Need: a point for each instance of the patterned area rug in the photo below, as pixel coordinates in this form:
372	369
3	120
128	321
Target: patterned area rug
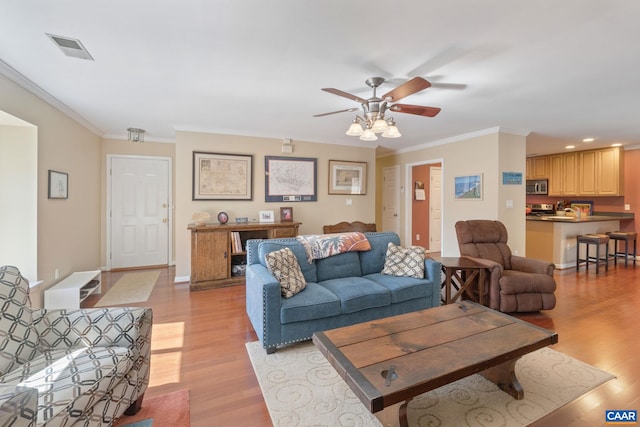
165	410
300	388
130	288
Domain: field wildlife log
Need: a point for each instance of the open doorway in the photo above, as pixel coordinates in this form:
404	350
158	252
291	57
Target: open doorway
424	212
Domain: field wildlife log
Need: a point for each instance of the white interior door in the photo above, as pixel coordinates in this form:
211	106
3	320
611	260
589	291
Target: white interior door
139	211
391	199
435	209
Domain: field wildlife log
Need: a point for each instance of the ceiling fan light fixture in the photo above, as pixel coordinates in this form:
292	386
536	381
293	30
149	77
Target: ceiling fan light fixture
379	126
355	129
368	135
392	131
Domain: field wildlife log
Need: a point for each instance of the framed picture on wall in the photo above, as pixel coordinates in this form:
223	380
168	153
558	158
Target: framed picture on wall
468	187
290	179
58	185
347	177
219	176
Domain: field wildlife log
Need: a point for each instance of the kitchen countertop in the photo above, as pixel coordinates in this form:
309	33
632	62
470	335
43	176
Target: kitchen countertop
605	216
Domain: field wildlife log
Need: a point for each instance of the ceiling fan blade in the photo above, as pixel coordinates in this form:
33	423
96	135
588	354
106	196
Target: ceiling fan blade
336	112
344	94
418	110
412	86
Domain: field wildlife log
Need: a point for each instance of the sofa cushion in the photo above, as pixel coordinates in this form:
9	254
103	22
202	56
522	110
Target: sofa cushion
316	302
72	379
404	261
372	261
358	293
308	270
402	288
285	268
337	266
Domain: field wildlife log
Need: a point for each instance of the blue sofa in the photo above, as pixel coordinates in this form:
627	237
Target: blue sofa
341	290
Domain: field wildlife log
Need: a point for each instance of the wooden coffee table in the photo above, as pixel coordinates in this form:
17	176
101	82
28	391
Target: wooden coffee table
427	349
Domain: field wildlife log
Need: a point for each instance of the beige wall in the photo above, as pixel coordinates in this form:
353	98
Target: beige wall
488	153
68	230
328	209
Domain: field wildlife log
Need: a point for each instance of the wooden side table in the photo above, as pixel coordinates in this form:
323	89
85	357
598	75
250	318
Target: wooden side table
462	273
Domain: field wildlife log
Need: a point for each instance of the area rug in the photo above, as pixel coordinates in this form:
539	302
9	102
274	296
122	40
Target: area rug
301	388
165	410
130	288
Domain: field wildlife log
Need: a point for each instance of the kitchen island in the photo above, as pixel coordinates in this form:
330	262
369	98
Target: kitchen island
553	238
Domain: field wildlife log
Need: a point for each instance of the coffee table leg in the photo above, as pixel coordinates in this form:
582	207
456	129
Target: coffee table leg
504	376
395	415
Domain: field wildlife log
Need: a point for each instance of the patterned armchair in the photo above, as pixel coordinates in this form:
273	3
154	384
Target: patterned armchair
88	366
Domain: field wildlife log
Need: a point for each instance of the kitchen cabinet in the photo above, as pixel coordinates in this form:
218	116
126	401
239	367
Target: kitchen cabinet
218	251
601	172
537	167
563	174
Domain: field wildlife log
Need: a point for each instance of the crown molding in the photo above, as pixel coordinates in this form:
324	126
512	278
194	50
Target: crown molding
19	79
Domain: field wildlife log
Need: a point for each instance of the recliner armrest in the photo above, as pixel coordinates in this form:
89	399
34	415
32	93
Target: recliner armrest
532	265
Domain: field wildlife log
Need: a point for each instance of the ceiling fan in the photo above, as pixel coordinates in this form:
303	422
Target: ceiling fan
374	108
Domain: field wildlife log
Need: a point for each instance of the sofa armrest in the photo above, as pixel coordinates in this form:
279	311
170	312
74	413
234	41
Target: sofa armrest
432	272
18	406
263	298
532	265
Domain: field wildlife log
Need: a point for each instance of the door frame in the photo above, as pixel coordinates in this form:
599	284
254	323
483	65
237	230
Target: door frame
408	197
108	224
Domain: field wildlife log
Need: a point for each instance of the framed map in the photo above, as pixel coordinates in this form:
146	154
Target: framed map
290	179
219	176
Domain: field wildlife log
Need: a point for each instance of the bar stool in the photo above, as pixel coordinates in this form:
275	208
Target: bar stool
588	240
625	236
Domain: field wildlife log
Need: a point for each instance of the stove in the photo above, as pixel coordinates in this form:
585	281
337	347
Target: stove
541	209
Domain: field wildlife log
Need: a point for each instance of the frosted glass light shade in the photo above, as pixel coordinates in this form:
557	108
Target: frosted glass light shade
379	126
354	130
392	132
368	135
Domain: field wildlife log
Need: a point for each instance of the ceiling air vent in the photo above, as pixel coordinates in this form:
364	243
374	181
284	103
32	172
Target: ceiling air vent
70	47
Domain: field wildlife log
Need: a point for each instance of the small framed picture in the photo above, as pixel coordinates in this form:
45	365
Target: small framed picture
265	216
468	187
58	185
286	214
347	177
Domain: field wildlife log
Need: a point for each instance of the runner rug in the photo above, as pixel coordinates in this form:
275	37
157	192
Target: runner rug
165	410
301	388
130	288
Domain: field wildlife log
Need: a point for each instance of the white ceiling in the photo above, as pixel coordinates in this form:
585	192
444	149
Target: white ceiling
559	69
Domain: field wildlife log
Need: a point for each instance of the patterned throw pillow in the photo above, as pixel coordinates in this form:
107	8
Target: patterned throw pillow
283	264
401	261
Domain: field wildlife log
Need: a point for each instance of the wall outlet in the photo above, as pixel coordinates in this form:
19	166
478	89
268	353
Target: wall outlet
627	207
417	237
56	274
349	202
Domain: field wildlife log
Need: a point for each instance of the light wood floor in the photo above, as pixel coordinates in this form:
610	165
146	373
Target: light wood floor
199	339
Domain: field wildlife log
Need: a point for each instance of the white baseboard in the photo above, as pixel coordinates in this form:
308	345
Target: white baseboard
182	279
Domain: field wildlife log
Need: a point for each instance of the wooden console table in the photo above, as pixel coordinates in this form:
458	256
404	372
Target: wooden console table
463	274
217	248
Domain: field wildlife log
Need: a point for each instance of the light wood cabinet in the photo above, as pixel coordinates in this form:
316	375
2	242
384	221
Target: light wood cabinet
563	174
538	167
216	249
587	173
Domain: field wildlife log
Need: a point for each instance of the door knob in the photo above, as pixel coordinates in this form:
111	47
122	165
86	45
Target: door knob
164	220
164	205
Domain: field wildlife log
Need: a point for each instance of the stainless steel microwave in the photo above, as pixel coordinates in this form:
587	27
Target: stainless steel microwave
537	186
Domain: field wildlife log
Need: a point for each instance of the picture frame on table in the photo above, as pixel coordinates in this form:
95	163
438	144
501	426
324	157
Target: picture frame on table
347	177
290	179
286	214
58	185
265	216
222	176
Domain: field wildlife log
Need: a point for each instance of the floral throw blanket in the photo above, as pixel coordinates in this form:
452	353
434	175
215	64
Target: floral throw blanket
320	246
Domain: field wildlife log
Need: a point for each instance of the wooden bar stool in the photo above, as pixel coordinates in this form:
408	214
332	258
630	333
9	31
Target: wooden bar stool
593	239
625	236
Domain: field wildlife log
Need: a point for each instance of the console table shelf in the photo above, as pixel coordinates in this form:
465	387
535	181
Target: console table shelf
217	248
71	291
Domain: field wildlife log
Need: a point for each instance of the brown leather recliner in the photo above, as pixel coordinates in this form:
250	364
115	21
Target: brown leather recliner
515	283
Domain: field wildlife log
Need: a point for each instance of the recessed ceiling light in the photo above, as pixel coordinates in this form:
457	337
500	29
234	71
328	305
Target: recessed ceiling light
569	147
588	140
617	144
